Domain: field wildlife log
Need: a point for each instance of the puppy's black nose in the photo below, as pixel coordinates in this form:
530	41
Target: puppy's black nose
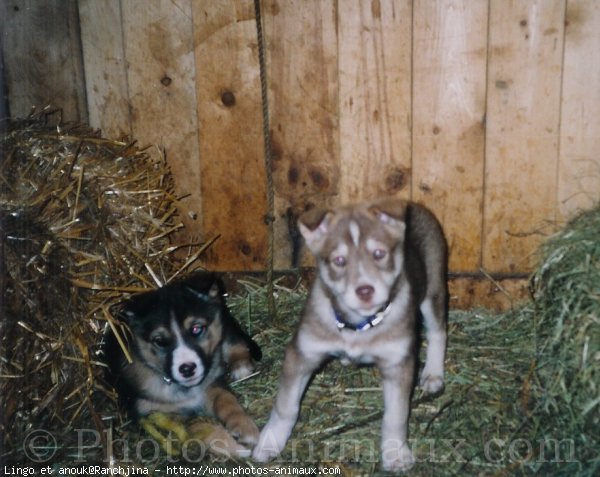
365	292
187	369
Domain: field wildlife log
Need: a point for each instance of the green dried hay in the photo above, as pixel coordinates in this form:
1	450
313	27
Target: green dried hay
83	222
566	290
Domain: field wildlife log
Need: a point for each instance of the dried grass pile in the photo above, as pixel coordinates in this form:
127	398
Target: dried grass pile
84	221
566	290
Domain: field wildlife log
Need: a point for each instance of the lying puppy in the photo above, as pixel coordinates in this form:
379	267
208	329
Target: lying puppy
378	263
183	339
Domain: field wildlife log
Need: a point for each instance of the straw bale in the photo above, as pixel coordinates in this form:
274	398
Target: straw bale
84	221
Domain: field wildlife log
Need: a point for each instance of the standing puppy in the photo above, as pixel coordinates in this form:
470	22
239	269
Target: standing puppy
378	264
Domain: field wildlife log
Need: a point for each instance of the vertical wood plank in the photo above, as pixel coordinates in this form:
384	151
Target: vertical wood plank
449	86
231	144
375	102
579	172
42	56
105	69
159	50
303	98
3	93
525	62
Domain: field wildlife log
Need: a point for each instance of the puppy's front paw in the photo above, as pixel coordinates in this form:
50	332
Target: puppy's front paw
397	457
431	384
264	454
216	438
260	454
268	447
244	431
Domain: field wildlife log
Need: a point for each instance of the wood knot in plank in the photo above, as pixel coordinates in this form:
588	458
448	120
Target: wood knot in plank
228	99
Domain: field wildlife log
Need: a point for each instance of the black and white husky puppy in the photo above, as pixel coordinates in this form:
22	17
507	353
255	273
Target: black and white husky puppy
183	341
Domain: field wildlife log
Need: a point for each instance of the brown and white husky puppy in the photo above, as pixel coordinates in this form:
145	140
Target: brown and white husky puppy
183	341
378	263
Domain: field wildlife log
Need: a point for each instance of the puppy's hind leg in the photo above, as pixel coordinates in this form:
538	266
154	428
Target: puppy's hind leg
239	349
239	360
297	371
434	313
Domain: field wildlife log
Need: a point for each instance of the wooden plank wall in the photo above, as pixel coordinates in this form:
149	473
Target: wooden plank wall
526	42
304	85
579	166
42	57
232	179
449	115
488	111
141	82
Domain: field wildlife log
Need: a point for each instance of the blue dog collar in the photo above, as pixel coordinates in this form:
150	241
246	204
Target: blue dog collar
366	324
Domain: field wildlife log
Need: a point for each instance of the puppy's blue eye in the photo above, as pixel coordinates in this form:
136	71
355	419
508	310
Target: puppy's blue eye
378	254
339	261
198	330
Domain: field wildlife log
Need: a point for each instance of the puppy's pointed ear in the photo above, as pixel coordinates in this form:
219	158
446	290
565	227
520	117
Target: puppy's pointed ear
215	290
392	213
127	315
314	226
213	294
136	307
205	286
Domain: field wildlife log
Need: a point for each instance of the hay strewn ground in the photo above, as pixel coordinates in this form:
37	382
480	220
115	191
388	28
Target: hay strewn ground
85	221
489	421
